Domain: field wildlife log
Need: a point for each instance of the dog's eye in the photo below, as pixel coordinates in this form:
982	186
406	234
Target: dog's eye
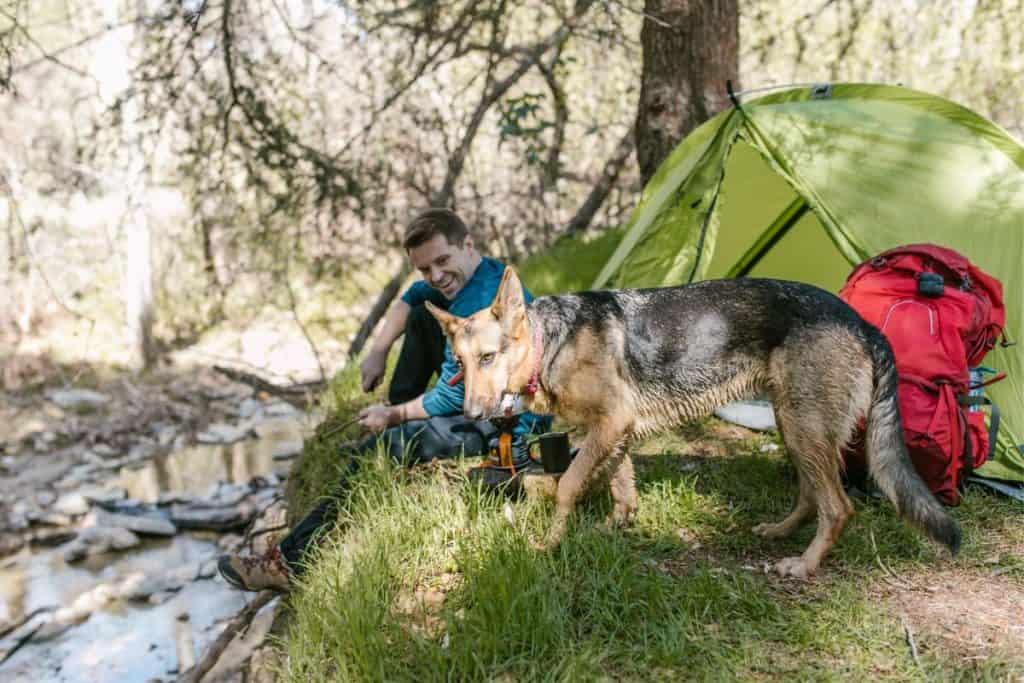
486	358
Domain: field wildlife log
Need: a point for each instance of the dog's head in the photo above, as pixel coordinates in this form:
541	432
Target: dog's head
492	346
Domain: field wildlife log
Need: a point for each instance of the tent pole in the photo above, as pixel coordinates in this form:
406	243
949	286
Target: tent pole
775	232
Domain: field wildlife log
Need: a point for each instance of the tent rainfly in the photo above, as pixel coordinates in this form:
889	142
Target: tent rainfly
802	184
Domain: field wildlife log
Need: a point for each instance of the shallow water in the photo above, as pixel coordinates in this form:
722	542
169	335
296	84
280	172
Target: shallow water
127	641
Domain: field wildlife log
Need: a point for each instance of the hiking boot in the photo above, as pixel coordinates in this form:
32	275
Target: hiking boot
256	572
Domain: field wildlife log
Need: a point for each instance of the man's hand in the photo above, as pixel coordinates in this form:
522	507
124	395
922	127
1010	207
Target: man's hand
372	369
378	418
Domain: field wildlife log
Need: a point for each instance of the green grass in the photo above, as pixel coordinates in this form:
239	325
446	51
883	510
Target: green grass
426	579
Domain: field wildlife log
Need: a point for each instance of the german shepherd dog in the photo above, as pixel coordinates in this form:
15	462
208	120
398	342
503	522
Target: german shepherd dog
621	364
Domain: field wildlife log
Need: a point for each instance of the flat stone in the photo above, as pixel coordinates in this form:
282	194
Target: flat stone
96	540
140	587
280	409
10	544
102	495
49	538
285	450
73	504
249	407
46	498
222	494
51	519
73	399
221	433
212	518
146	524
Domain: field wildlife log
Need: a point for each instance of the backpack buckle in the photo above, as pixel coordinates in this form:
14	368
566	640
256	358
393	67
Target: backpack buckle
930	285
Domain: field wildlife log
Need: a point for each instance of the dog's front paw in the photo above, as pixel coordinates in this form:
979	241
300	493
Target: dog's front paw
554	537
793	566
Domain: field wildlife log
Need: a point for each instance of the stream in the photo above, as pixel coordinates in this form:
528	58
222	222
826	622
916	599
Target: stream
73	608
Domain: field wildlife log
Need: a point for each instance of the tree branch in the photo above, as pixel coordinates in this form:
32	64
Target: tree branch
612	168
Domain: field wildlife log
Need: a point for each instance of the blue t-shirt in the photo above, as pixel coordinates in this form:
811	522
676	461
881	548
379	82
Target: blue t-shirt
475	295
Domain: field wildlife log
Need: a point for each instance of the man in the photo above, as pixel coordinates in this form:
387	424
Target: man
418	426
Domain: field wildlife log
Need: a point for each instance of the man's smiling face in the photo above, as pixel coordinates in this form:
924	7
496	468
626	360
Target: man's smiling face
445	267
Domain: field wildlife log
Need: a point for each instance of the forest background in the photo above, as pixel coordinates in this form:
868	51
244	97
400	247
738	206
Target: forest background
228	181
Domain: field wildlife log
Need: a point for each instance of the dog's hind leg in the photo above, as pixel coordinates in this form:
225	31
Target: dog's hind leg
602	442
623	486
803	508
817	460
802	511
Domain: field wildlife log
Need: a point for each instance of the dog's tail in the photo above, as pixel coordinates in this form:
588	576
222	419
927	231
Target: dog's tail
888	460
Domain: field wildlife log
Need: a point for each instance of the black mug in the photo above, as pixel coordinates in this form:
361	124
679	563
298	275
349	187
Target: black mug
554	452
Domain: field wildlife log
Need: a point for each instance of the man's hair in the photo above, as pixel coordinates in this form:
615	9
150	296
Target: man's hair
435	222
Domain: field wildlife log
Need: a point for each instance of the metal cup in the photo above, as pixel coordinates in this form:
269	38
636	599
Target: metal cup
554	452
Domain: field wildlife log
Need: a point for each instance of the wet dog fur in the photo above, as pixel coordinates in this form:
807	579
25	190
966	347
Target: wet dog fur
621	364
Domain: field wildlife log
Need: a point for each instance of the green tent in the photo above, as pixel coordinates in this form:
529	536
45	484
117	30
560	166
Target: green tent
801	184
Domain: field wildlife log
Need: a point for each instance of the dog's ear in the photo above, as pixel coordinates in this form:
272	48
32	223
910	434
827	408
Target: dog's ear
509	306
448	322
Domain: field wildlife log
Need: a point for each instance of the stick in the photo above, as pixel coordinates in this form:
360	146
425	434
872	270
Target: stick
895	579
213	654
183	642
338	428
260	384
11	628
910	640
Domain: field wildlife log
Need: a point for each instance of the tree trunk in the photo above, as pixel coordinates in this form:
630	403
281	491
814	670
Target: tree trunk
380	307
690	48
137	286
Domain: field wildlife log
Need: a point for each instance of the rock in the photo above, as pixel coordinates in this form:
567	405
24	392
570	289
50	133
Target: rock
103	450
49	538
229	542
77	399
220	433
171	497
10	544
285	450
142	451
146	524
96	540
46	498
51	519
141	587
165	435
73	504
249	407
221	494
212	518
281	409
103	496
207	569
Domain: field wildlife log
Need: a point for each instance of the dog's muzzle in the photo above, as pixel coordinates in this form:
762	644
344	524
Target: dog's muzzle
510	404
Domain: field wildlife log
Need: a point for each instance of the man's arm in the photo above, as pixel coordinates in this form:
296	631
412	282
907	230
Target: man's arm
373	366
378	418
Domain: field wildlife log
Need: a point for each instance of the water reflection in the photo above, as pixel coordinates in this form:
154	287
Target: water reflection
194	469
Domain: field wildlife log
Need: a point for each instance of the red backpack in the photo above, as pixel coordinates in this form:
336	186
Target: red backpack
941	315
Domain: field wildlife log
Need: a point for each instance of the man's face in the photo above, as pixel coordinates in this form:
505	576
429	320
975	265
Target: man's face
445	267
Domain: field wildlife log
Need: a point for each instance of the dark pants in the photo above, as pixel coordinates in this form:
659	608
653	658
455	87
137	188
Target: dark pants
413	442
421	355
